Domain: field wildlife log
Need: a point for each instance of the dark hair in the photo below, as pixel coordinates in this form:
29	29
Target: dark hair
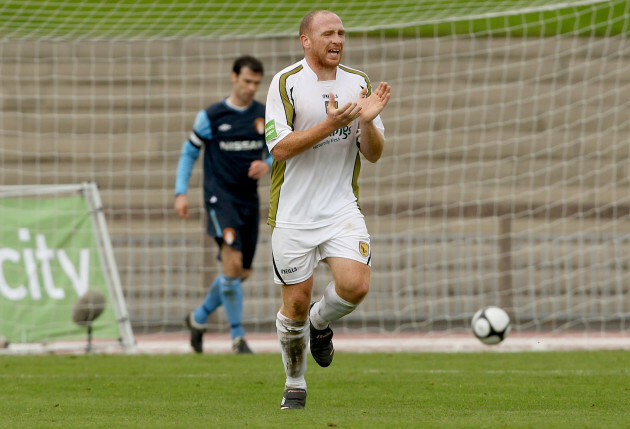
248	61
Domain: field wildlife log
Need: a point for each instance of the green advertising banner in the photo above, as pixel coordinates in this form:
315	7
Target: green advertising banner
48	260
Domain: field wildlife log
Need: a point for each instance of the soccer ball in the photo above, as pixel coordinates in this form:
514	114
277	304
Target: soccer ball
491	325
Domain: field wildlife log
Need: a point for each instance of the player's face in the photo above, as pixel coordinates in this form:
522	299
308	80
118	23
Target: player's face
246	84
325	40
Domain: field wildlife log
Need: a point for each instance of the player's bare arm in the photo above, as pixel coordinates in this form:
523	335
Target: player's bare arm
299	141
372	141
181	206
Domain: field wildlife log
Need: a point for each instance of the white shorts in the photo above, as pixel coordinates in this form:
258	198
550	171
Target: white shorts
296	252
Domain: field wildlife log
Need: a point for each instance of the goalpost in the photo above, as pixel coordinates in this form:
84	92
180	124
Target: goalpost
505	179
55	251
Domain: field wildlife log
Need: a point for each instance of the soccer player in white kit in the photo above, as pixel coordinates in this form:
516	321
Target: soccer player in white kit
320	116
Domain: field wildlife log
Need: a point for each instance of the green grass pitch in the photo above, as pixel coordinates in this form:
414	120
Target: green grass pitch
71	19
401	390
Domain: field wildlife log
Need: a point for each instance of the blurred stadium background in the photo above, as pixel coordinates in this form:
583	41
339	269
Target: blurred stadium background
505	179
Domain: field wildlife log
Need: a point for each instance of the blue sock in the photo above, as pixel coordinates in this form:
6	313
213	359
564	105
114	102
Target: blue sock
232	298
210	303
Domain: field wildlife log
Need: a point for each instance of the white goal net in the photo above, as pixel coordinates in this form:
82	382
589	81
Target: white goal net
505	179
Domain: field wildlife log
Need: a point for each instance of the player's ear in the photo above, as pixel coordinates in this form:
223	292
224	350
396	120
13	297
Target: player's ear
234	77
306	43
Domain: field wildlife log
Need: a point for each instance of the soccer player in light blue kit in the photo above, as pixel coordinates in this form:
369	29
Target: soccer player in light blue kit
231	132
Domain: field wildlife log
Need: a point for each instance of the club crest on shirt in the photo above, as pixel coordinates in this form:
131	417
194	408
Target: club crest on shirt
364	248
229	235
260	125
328	102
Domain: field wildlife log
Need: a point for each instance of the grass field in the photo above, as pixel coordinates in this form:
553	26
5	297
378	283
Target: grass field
404	390
240	18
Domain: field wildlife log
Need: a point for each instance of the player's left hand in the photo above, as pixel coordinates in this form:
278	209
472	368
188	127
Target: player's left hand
258	169
374	104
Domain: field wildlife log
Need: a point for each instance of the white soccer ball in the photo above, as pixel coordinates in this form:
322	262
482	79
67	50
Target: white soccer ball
491	325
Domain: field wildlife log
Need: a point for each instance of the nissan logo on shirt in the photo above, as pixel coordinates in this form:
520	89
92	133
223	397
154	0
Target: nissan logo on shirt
241	145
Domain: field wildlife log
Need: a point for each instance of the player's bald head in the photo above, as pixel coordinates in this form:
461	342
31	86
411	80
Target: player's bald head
307	21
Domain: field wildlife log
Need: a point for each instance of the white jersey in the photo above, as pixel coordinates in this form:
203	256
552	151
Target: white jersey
319	186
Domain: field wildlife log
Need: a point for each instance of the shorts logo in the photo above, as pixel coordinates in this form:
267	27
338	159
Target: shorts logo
288	270
260	125
364	248
229	235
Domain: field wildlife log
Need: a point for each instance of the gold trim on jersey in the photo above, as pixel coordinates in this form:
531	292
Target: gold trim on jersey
278	168
355	178
284	95
360	73
357	162
277	179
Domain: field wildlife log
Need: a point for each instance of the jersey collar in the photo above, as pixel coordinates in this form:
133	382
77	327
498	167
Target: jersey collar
309	71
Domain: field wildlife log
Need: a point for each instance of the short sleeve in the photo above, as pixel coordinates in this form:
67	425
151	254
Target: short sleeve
278	108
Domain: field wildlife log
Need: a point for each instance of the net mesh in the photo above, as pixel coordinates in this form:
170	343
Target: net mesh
504	180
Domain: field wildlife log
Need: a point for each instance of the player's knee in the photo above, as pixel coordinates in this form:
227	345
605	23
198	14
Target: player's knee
355	292
362	289
296	304
297	310
233	267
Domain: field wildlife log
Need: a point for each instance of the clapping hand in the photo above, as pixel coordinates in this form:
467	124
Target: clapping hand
374	104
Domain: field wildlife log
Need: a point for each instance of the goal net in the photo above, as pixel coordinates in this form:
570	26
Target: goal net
505	179
58	277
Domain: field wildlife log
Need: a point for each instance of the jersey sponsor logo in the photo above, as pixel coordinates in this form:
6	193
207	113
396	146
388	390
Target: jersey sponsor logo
260	125
224	127
335	137
324	143
342	132
270	130
364	248
229	235
288	270
241	145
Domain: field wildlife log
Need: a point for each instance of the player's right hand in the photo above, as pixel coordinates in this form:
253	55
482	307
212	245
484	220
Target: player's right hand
181	206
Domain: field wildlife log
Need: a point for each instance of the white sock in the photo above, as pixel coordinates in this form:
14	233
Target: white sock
330	308
293	336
